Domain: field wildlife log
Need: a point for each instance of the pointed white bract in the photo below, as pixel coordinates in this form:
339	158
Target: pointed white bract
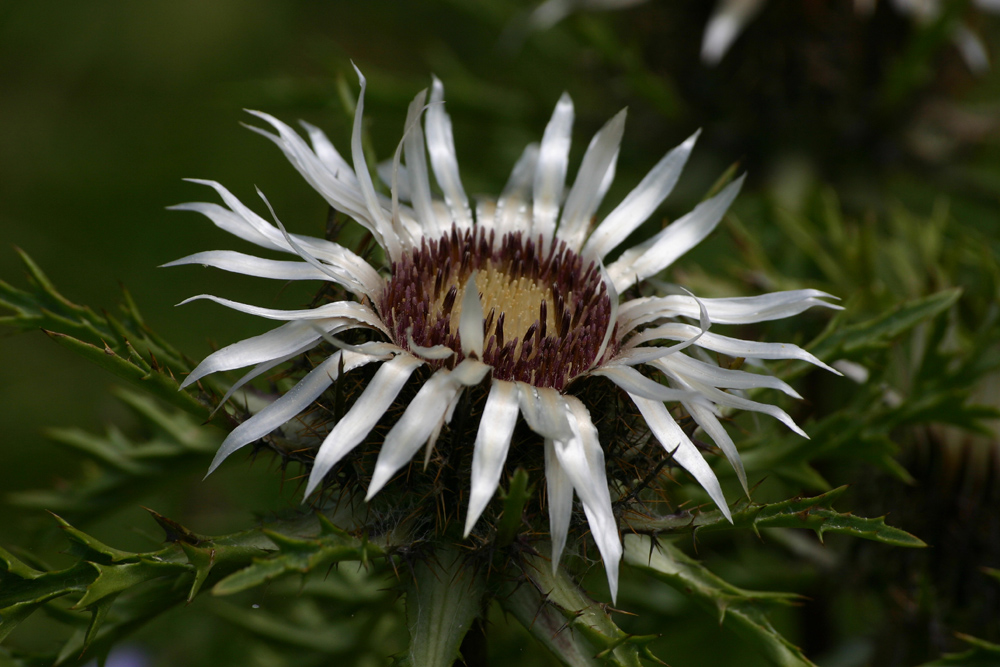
559	490
591	182
550	172
362	417
531	371
511	208
639	204
297	399
470	325
490	451
444	162
652	256
582	461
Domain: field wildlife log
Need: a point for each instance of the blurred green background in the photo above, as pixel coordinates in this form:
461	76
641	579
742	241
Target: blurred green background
106	106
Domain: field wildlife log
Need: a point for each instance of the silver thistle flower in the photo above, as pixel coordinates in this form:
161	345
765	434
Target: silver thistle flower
517	291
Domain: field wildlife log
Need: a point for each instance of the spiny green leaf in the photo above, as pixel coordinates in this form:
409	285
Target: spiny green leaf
127	347
813	513
99	612
202	560
548	625
126	468
163	386
115	578
179	427
328	528
574	627
130	611
90	548
47	586
878	332
982	654
162	578
174	531
107	450
295	554
13	566
43	307
444	597
740	610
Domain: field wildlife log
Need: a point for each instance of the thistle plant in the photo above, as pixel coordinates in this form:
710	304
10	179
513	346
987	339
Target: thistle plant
524	427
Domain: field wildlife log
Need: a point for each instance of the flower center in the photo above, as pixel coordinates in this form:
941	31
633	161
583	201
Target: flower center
545	313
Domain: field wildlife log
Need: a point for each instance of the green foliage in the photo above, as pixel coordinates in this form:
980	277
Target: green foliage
924	350
123	590
575	628
982	654
125	469
515	498
878	333
812	513
127	347
742	611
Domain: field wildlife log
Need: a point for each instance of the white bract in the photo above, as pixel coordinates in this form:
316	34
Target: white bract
517	293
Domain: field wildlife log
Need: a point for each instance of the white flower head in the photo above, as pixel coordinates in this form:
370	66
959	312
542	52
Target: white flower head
518	292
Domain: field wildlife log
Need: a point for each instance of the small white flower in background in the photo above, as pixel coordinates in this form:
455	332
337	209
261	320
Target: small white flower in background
727	22
730	17
552	12
518	292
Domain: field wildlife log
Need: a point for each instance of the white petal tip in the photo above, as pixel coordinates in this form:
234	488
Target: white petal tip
379	480
795	428
311	486
215	464
476	507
